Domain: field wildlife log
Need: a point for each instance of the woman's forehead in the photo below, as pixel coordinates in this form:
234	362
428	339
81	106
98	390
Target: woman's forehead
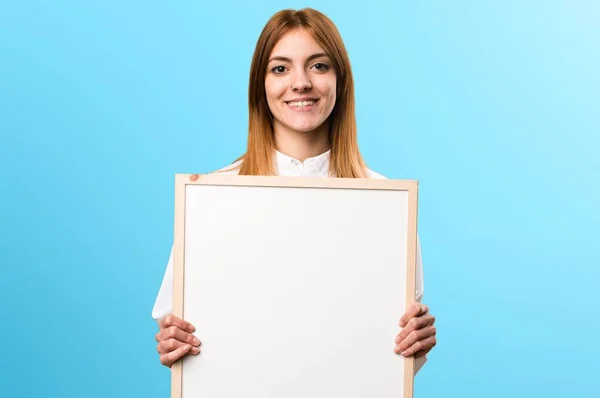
297	43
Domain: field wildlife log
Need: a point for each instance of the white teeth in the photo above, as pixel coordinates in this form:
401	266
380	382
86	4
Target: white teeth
300	104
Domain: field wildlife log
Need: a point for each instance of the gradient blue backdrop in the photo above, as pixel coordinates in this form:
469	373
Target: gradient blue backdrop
493	106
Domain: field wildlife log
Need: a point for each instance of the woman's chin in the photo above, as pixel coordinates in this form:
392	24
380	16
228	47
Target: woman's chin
304	128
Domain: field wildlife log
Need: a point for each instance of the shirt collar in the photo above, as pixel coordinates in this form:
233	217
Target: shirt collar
317	166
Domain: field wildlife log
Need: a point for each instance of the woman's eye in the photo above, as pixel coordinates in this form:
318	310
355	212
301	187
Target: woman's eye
278	69
321	67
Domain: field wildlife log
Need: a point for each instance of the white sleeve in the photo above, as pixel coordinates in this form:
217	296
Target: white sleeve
419	285
163	305
419	289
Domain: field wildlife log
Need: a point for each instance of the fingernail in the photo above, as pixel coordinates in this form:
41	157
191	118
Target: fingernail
398	339
195	350
192	328
196	341
187	347
405	353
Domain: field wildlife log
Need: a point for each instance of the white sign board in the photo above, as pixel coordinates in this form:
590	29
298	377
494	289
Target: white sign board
295	285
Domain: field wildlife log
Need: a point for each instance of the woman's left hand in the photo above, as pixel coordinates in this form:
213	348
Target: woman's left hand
418	334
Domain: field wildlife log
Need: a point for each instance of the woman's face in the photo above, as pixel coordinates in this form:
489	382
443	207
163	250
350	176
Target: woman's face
300	83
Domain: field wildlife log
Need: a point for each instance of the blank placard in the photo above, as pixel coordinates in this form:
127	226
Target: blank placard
295	285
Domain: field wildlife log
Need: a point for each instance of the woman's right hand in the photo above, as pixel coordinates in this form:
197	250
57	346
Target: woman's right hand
175	339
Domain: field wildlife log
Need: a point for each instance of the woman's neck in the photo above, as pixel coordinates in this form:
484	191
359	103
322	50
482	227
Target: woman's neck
302	145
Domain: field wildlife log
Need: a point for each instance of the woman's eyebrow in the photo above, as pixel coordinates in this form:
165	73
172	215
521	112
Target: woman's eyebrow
286	59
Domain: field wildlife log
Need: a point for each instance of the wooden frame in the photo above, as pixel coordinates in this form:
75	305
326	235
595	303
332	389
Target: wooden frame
182	181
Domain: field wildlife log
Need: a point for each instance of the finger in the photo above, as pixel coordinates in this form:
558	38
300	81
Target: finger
172	320
415	324
173	332
413	337
415	309
166	346
410	340
429	343
168	358
422	353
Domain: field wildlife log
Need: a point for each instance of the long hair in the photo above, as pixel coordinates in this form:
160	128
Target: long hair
345	160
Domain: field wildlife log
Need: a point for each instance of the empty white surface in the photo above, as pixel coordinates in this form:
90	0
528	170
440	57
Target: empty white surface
295	292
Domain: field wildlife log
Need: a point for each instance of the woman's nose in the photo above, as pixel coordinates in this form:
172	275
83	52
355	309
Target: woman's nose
301	82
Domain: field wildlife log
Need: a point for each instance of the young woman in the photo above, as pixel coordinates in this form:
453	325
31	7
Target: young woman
301	123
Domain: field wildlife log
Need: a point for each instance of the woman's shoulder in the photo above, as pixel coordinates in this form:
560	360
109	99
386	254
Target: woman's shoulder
375	176
232	169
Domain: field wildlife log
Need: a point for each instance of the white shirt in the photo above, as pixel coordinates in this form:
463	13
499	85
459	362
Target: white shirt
286	166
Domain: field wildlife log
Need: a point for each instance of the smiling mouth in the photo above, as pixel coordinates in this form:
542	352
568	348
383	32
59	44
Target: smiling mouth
301	105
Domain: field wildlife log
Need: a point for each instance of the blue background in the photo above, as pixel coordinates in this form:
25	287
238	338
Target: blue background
493	106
